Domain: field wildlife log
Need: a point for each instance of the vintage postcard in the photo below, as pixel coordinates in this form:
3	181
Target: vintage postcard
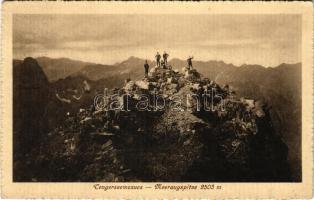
157	100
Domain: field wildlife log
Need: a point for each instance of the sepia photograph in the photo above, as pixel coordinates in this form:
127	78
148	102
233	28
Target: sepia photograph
157	98
165	101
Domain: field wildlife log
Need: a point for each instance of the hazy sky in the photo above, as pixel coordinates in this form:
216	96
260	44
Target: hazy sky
239	39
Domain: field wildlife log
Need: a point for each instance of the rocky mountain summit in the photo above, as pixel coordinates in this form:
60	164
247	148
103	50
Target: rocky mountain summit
163	128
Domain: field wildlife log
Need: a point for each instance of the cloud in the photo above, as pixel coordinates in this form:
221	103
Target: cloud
112	38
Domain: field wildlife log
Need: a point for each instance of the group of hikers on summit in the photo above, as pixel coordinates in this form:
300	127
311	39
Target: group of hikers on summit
163	62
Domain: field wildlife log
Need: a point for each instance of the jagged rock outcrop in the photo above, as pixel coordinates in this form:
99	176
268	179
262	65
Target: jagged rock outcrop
178	138
30	97
31	94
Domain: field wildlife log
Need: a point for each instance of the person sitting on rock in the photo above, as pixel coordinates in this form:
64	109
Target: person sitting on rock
189	60
158	59
165	57
146	67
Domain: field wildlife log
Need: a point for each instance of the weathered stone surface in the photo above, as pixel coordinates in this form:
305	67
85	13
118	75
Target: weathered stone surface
187	144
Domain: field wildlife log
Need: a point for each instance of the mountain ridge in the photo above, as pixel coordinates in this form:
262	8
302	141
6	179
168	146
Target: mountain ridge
279	86
56	68
190	144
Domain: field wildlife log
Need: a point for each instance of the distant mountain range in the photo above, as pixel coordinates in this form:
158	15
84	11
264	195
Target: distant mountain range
57	68
60	67
280	87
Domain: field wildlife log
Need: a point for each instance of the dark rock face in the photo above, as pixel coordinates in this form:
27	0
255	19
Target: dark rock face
31	94
191	144
30	97
202	146
280	86
235	144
